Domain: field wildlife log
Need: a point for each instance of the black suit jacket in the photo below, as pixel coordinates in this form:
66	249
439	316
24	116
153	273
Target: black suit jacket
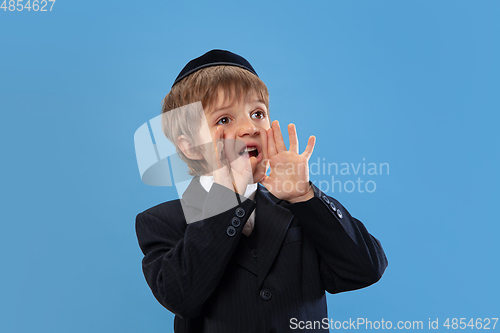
214	280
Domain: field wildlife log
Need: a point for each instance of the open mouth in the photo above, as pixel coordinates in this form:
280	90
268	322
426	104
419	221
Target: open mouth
252	151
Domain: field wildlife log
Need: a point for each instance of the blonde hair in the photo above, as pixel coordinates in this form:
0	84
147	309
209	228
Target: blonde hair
204	86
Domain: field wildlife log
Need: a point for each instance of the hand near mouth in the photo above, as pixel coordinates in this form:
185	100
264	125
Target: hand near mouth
289	176
230	169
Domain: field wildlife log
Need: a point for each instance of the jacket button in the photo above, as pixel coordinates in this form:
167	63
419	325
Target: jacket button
332	206
235	222
266	294
339	213
231	231
240	212
325	199
254	253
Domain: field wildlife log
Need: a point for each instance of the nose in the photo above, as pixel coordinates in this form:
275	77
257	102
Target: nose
247	127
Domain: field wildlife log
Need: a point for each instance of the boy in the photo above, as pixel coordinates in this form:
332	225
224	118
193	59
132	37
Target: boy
234	255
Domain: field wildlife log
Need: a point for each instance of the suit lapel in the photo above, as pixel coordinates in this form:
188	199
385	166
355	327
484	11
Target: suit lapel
272	222
243	257
192	204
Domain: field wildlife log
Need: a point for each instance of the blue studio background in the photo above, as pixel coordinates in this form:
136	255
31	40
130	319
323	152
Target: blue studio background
411	85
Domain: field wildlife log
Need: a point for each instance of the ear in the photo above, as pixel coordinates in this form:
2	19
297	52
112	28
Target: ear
187	148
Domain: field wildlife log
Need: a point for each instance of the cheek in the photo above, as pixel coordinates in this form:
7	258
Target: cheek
228	131
268	123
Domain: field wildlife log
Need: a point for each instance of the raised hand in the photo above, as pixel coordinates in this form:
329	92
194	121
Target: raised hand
289	176
230	169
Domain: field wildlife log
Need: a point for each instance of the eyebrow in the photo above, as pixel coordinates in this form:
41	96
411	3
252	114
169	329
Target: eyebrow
255	101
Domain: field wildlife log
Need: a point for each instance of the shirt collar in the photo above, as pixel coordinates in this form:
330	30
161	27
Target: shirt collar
207	182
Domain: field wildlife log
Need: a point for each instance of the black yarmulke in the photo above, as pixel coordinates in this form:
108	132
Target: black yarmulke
214	58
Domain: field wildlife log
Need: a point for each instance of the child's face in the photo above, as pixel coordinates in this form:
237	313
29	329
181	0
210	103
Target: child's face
246	122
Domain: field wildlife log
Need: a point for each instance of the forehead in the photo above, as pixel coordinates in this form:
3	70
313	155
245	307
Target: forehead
225	99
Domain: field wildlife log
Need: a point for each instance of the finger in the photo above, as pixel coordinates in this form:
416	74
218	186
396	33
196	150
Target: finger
220	156
230	149
278	138
214	150
292	137
241	166
215	135
310	147
219	147
238	162
271	146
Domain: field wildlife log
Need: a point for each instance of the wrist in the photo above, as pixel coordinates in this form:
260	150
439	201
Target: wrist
307	196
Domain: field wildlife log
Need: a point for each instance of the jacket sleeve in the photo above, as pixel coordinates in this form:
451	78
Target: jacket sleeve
184	263
350	258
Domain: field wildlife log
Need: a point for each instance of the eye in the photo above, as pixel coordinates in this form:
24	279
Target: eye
223	121
259	114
